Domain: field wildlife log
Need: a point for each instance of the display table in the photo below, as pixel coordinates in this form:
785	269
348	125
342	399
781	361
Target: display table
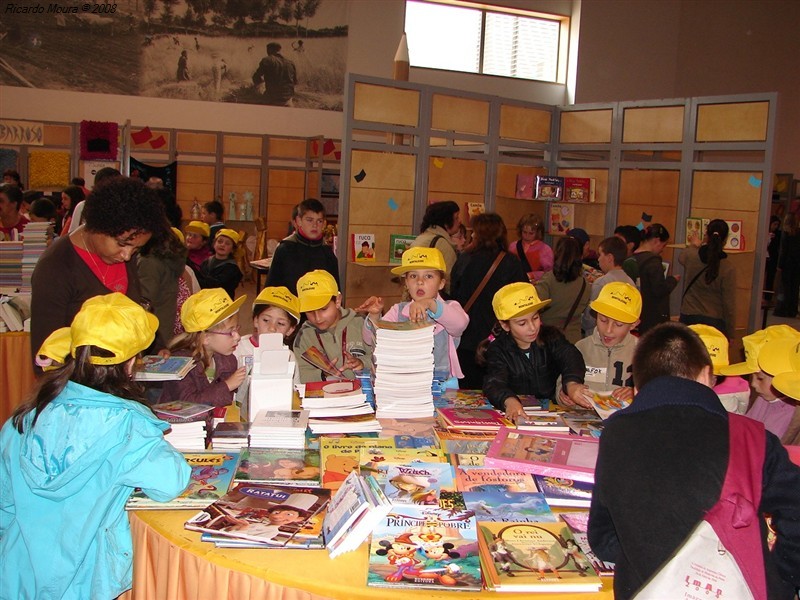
16	371
261	267
171	563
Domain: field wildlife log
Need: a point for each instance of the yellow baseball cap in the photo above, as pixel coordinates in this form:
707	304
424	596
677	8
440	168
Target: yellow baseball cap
619	301
112	322
229	233
199	227
206	308
315	289
515	300
781	356
418	258
716	343
178	234
753	345
280	297
788	383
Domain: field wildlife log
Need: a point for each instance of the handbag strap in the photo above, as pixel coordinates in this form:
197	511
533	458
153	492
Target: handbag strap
523	257
575	304
691	283
484	281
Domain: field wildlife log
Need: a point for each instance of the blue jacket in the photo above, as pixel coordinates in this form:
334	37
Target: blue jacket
63	487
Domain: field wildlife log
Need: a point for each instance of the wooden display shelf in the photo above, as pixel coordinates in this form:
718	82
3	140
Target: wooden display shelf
684	246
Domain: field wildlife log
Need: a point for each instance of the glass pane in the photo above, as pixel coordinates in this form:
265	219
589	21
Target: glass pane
521	47
443	37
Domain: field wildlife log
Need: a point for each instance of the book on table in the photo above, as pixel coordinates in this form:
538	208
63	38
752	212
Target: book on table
417	483
553	454
605	404
562	491
279	429
534	557
472	419
157	368
542	421
267	514
477	479
501	506
578	523
181	411
341	455
212	473
230	435
278	466
425	547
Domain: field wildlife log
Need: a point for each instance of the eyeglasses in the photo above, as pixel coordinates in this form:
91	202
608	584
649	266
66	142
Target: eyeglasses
231	333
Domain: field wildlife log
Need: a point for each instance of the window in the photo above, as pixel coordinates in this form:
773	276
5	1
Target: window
464	36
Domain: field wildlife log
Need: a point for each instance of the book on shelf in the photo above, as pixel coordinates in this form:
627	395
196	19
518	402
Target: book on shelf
549	187
534	557
212	473
561	491
477	479
524	188
578	523
354	510
376	461
425	547
267	514
418	483
562	218
578	189
362	247
500	506
472	419
157	368
399	243
278	466
473	210
553	454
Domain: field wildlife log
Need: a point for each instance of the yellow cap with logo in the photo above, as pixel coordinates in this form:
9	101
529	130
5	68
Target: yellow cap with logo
280	297
420	258
516	299
315	289
754	344
619	301
206	308
716	343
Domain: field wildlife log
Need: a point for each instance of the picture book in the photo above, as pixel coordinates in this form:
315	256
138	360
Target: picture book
524	188
274	515
211	476
363	247
278	466
606	404
534	557
399	243
418	483
553	454
467	460
578	523
471	419
354	510
560	491
577	189
341	455
473	210
425	547
562	218
452	398
317	359
180	409
542	421
298	542
579	421
464	442
511	507
549	187
694	227
158	368
478	479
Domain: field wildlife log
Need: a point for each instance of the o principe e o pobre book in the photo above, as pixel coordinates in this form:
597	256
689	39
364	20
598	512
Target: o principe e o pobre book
554	454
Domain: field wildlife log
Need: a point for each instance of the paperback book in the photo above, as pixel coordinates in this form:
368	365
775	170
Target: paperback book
561	491
472	419
484	479
273	515
549	187
542	421
418	483
212	472
399	243
288	467
534	557
180	409
341	455
158	368
606	405
425	547
452	398
363	247
578	523
562	218
553	454
500	506
230	435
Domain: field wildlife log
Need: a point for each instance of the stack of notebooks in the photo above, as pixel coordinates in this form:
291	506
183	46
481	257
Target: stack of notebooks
230	436
338	407
404	370
279	429
158	368
190	423
34	243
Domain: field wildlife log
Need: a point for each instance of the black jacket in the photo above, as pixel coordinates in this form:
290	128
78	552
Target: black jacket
215	273
655	289
295	256
510	372
661	466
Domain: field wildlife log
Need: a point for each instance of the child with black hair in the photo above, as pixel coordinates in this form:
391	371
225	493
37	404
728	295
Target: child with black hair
72	455
211	214
221	269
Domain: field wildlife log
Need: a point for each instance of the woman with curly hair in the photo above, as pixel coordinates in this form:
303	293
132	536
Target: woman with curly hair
121	216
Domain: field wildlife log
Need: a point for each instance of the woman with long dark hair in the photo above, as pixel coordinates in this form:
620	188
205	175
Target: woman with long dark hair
709	297
488	245
70	197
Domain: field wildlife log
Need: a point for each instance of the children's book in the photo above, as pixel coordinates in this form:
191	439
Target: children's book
268	514
341	455
560	491
694	228
363	247
534	557
464	442
211	476
473	210
467	460
399	243
549	187
276	466
472	419
418	483
157	368
542	421
554	454
354	511
478	479
606	404
180	409
298	542
562	218
580	421
577	189
578	523
503	506
524	188
317	359
452	398
425	547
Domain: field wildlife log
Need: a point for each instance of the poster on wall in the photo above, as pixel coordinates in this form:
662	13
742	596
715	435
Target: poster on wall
287	53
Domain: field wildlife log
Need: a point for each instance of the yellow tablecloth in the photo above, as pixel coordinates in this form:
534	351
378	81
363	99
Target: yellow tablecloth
16	371
171	563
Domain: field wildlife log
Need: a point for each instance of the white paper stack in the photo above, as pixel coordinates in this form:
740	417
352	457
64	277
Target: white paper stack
187	436
404	372
230	436
279	429
339	407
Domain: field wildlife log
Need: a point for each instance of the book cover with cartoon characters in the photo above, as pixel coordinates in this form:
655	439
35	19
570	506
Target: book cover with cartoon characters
278	466
501	506
341	455
425	547
418	483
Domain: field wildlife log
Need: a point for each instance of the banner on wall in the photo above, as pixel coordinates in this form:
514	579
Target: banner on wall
22	133
91	167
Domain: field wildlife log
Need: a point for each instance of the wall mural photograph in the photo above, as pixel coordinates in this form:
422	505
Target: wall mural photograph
277	52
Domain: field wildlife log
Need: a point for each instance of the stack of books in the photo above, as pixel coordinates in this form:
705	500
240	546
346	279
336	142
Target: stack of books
279	429
472	419
158	368
190	423
546	421
230	436
338	407
10	267
404	371
34	243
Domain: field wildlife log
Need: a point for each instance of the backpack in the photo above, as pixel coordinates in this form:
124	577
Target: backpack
722	558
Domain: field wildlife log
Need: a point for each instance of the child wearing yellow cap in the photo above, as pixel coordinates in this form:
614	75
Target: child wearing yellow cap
608	352
275	310
196	235
523	357
221	270
72	455
330	328
424	272
211	323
